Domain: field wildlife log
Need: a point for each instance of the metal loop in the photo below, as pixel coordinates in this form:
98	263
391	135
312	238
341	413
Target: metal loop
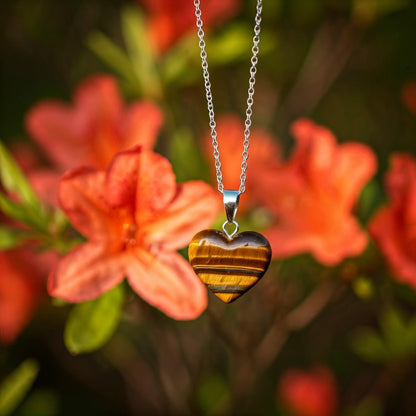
231	199
237	227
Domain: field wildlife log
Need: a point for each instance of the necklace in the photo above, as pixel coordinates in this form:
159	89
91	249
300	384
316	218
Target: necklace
228	263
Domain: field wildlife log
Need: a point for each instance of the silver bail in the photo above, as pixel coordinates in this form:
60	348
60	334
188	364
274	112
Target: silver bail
231	200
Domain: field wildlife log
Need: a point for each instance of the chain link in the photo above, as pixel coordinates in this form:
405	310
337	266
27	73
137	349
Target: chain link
208	94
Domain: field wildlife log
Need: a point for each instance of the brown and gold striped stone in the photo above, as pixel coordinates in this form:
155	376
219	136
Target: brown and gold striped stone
229	267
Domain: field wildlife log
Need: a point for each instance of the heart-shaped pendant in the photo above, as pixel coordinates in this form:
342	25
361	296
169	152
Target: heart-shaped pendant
229	266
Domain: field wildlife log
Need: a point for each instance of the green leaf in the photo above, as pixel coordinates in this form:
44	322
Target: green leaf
40	403
11	237
399	333
114	57
366	11
91	324
13	209
235	43
140	51
368	407
15	387
59	303
24	214
306	10
14	180
392	322
397	340
29	209
213	395
394	330
182	64
186	158
410	336
370	198
366	343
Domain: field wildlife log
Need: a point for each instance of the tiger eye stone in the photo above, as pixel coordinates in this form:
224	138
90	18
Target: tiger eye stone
229	267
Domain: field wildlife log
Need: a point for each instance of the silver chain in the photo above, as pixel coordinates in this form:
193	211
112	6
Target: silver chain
208	93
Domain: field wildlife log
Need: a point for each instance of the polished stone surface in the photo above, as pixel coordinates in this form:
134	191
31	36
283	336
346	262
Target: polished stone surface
229	267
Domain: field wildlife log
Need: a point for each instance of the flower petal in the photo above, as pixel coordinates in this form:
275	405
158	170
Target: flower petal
81	196
121	178
86	272
58	131
313	193
393	227
45	183
84	133
328	248
387	236
401	181
99	99
156	186
140	125
167	281
141	179
309	393
99	105
169	20
194	208
19	293
315	149
354	166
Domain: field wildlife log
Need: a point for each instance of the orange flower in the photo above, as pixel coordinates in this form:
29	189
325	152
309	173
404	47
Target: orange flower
135	217
95	127
264	154
394	226
309	393
169	20
312	196
22	278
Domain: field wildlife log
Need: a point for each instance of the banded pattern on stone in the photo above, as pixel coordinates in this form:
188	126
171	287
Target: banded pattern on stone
229	267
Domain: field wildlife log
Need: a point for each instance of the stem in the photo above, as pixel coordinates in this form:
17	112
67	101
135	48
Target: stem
141	378
297	319
224	333
323	64
249	368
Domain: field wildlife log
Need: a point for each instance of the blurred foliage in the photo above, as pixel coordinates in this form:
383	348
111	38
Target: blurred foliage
14	388
11	237
186	158
14	181
369	407
371	197
19	202
366	11
29	209
40	403
343	63
212	395
143	73
91	324
395	341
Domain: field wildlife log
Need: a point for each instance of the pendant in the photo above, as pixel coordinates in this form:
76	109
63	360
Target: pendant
229	264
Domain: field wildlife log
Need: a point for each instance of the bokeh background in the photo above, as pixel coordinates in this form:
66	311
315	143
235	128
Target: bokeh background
336	340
